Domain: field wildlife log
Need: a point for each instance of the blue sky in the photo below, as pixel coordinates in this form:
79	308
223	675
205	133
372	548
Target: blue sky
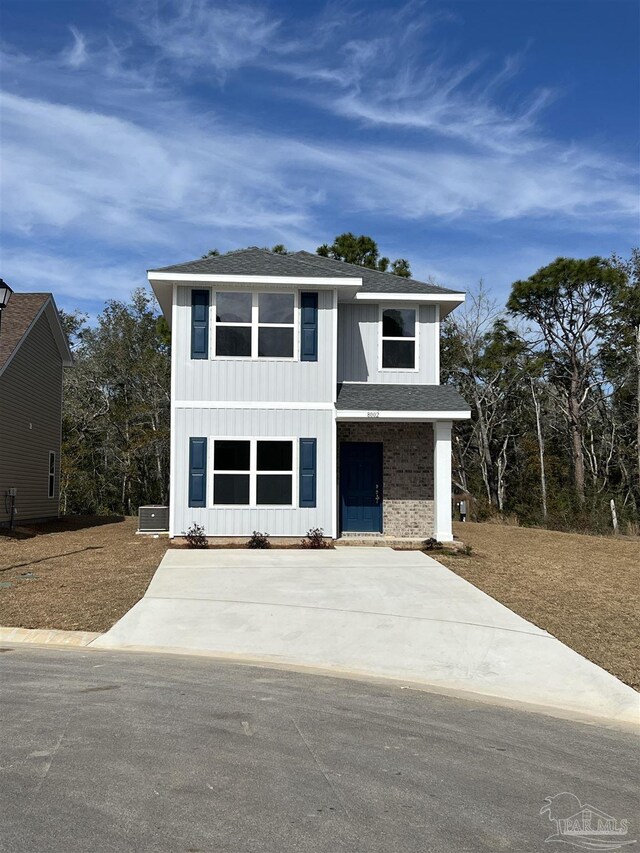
477	138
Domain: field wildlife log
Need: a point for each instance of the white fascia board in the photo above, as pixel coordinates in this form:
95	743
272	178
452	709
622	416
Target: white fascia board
456	298
375	415
253	404
257	280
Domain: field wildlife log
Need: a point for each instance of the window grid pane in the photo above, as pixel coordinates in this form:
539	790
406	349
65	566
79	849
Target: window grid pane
274	489
399	323
231	489
275	342
276	308
232	455
275	456
399	354
233	341
233	307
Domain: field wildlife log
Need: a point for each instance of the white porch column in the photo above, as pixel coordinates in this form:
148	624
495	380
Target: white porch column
443	531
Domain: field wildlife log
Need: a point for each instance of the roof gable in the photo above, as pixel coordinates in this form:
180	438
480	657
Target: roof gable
18	318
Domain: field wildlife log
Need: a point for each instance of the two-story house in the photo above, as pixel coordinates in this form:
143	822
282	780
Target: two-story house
33	354
305	393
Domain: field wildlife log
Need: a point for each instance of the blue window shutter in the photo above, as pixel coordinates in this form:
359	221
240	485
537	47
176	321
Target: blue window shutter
197	472
199	324
308	466
309	327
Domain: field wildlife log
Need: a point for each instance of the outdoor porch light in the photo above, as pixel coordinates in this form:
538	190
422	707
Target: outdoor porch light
5	296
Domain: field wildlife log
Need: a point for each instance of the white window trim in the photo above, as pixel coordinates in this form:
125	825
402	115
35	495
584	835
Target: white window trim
51	477
253	471
255	326
416	368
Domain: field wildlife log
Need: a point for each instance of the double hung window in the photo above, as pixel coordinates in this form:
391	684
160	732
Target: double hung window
399	339
253	472
254	325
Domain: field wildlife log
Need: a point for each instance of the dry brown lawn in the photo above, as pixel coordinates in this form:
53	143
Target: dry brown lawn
585	590
75	574
85	573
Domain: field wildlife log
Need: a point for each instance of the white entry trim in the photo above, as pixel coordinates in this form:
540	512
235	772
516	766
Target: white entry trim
381	415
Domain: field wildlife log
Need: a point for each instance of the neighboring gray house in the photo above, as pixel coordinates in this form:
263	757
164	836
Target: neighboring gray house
33	353
305	393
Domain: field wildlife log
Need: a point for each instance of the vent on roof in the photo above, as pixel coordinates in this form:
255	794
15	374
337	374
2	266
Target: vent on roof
153	519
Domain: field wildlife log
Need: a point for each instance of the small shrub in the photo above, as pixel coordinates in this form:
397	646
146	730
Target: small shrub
315	539
432	544
633	528
259	540
196	537
467	550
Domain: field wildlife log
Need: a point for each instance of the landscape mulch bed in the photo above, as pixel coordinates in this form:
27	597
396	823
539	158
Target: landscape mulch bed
77	574
585	590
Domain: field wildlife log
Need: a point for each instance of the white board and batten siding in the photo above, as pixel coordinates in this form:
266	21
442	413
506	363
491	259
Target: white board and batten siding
255	423
298	399
256	380
359	342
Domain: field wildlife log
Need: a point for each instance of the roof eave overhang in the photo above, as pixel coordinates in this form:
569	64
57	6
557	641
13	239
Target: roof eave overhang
400	415
446	301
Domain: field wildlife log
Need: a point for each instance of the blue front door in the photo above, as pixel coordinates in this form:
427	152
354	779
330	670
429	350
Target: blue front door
361	487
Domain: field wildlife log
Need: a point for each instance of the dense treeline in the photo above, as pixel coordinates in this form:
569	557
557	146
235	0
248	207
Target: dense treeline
553	384
552	378
115	453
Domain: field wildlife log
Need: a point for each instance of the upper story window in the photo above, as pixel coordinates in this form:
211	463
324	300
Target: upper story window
255	325
399	339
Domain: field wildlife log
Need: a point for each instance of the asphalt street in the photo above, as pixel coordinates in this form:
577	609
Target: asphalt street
105	751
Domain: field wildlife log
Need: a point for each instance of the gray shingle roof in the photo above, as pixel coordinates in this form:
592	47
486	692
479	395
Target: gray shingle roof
399	398
255	261
374	281
19	314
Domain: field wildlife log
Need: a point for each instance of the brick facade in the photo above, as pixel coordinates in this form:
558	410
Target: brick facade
407	462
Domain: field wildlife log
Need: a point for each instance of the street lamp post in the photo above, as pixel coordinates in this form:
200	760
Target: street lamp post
5	296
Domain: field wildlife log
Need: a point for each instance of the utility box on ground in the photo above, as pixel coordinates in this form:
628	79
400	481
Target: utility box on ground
153	519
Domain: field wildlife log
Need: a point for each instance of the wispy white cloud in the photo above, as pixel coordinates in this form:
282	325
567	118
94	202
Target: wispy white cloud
75	55
105	147
197	34
70	170
76	280
394	73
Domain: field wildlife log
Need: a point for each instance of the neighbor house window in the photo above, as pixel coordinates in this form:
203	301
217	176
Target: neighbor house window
399	333
52	474
253	472
255	325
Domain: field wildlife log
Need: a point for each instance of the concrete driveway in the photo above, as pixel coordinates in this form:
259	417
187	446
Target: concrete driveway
371	611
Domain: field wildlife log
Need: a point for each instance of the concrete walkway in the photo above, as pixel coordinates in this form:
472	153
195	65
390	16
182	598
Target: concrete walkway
372	611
